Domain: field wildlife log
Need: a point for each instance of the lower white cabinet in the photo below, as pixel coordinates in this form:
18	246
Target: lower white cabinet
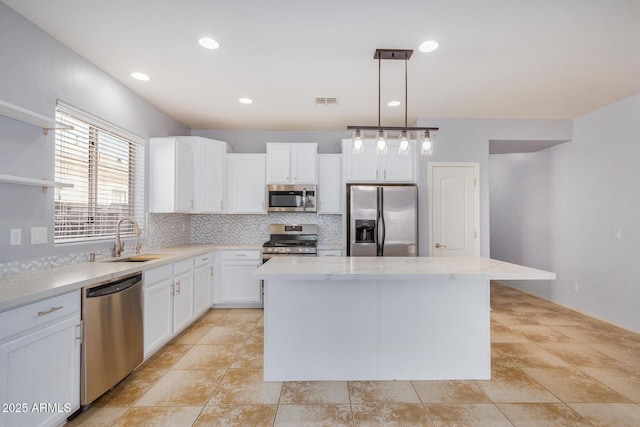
237	287
168	303
158	308
183	313
202	278
40	362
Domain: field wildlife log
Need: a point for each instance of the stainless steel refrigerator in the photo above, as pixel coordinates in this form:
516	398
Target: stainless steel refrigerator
383	220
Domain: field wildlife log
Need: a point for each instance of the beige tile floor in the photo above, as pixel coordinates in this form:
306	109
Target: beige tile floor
551	367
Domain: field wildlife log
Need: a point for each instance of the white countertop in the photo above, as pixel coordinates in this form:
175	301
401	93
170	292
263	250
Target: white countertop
25	288
404	268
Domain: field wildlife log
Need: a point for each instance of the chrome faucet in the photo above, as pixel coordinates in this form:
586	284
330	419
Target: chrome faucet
119	247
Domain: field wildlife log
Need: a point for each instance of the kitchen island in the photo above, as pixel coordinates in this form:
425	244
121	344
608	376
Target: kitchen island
380	318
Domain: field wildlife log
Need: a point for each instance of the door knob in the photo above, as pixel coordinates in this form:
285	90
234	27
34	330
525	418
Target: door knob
438	246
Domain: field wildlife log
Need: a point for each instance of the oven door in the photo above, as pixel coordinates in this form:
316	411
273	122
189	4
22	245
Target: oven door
291	198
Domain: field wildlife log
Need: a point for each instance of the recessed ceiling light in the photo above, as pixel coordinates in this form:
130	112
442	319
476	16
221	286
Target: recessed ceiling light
393	103
208	43
428	46
140	76
246	100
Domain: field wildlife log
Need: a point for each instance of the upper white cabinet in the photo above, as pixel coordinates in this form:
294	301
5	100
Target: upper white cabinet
390	167
292	163
329	183
246	186
209	175
186	174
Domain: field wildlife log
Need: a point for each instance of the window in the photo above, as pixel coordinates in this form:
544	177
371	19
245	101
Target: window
106	167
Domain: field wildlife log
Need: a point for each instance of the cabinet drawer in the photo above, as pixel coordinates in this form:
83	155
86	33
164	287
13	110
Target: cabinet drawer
38	314
200	260
241	255
183	266
157	275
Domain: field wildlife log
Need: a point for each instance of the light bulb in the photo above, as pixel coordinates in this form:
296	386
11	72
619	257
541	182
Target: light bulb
358	146
381	145
427	146
403	149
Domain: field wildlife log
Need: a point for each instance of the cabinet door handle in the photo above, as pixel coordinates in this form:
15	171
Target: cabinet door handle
173	290
191	204
385	174
177	288
211	271
221	205
51	310
241	254
376	173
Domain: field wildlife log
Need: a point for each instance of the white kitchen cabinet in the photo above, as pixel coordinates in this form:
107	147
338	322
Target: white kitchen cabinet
202	279
329	183
158	308
209	175
40	362
292	163
183	313
237	287
169	300
186	174
246	188
390	167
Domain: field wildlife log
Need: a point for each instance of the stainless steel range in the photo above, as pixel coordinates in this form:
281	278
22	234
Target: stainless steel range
291	240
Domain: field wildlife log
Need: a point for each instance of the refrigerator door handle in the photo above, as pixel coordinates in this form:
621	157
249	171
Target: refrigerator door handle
381	224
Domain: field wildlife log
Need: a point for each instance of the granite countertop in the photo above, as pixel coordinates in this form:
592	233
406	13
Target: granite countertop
25	288
403	268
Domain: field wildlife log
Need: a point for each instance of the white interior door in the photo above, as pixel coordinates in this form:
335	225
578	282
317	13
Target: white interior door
454	209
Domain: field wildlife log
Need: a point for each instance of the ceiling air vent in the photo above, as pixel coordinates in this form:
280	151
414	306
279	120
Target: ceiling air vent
326	101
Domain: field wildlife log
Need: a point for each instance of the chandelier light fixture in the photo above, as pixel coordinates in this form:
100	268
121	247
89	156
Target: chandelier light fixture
423	135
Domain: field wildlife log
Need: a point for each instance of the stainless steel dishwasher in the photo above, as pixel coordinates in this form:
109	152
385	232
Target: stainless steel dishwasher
112	344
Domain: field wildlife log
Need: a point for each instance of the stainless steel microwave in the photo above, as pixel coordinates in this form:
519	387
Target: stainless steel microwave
291	198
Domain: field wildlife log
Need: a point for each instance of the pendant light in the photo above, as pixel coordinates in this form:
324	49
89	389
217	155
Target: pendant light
358	144
404	136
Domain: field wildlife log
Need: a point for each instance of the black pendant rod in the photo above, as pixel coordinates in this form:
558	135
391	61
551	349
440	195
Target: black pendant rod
379	97
406	90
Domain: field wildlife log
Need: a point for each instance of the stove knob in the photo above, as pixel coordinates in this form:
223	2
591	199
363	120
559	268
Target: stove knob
288	249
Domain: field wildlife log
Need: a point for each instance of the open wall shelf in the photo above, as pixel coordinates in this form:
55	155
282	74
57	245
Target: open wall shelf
26	116
45	184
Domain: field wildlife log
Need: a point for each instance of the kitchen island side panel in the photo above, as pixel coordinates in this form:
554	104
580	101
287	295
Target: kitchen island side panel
317	330
423	329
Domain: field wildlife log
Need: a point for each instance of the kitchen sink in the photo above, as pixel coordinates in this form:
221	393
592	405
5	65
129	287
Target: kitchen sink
139	258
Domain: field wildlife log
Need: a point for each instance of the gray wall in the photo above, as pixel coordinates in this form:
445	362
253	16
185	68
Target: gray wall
35	71
560	209
468	141
456	141
249	141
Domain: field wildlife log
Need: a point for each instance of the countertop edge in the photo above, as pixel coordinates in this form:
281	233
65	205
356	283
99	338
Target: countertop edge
26	288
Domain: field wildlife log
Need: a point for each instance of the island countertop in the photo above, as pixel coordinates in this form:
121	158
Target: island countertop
394	268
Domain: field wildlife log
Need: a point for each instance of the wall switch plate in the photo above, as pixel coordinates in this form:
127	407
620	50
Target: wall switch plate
16	236
38	235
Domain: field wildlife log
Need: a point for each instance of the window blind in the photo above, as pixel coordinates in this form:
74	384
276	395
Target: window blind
105	164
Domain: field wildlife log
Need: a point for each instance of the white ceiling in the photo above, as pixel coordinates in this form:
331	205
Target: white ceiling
497	58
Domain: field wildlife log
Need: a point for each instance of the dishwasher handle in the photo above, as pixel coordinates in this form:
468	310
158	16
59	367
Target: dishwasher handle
113	287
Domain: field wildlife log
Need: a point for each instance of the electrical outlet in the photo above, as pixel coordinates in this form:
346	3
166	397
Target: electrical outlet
617	234
16	236
38	235
574	286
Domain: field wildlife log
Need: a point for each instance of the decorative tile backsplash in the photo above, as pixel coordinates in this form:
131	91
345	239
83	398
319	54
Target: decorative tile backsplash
255	228
167	230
